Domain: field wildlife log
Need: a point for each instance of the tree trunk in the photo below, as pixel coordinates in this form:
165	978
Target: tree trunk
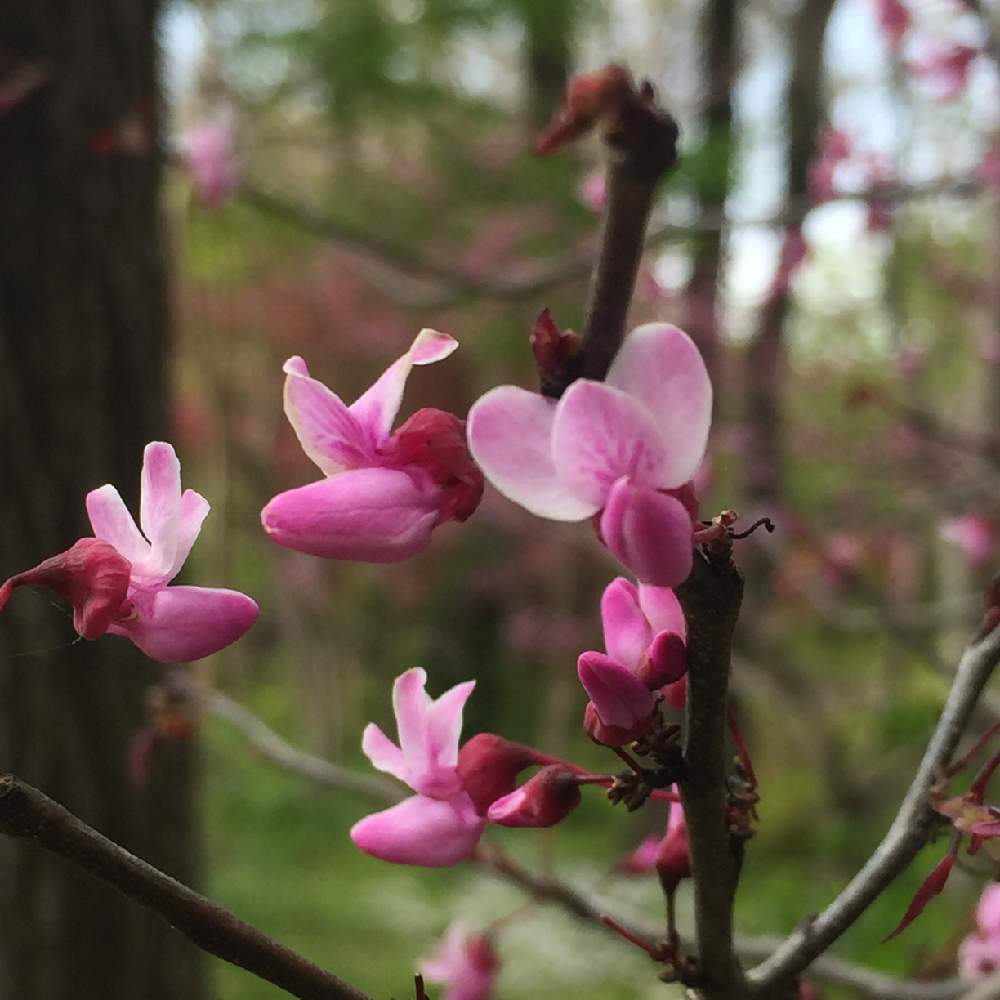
83	349
765	357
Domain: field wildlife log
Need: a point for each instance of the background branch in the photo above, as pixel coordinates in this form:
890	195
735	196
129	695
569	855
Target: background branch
26	812
909	832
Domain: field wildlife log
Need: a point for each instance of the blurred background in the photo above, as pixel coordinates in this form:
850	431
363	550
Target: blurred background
830	238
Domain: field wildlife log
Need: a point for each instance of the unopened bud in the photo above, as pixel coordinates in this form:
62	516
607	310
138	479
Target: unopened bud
544	800
488	766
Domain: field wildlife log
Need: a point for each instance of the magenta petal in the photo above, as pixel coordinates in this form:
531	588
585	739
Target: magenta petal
372	515
377	408
444	724
619	697
660	366
180	624
988	910
383	753
194	510
421	831
627	634
326	429
510	436
648	532
662	609
601	434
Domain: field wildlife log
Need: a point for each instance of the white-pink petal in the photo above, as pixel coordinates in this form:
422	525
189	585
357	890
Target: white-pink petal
325	427
627	633
160	507
601	434
377	408
510	436
383	753
444	724
112	523
411	705
662	609
660	366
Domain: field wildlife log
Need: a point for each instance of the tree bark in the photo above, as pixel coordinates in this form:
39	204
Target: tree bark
83	353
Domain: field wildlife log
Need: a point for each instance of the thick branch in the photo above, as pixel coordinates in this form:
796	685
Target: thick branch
26	812
711	599
909	831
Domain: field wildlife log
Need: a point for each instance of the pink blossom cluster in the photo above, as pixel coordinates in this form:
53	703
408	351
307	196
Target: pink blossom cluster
465	964
979	953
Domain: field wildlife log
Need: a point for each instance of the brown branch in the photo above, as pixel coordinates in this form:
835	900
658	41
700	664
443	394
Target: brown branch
711	598
909	832
26	812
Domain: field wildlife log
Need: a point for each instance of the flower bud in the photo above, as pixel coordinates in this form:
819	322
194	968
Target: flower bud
544	800
664	662
609	736
488	766
673	860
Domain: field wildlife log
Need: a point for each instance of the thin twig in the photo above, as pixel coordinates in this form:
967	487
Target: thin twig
26	812
910	830
273	748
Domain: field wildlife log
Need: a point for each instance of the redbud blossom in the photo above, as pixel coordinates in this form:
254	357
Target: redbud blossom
947	69
979	952
118	581
384	494
974	534
615	446
673	859
439	825
466	965
644	636
208	149
543	800
894	20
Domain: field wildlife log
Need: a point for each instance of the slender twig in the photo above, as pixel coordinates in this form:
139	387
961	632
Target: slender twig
910	830
711	599
26	812
273	748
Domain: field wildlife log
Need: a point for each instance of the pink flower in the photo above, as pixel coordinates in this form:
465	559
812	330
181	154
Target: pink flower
208	148
439	825
593	190
642	859
616	446
974	534
118	581
894	20
947	67
384	494
467	966
673	859
979	953
644	636
545	799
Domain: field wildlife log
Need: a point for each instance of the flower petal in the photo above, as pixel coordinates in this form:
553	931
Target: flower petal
662	609
648	532
327	431
510	436
160	508
411	704
620	698
112	523
627	634
444	724
194	510
383	753
601	434
371	515
421	831
660	366
377	408
180	624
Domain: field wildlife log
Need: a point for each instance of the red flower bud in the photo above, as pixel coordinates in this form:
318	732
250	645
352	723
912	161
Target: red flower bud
544	800
665	662
488	766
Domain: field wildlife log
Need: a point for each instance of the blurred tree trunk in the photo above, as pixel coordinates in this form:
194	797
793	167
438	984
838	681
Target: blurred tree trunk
702	299
83	350
765	356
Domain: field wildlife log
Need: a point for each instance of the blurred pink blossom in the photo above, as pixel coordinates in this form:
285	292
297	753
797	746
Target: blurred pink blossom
989	349
946	68
593	190
894	20
617	447
466	965
118	581
988	170
979	952
208	148
383	494
974	534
